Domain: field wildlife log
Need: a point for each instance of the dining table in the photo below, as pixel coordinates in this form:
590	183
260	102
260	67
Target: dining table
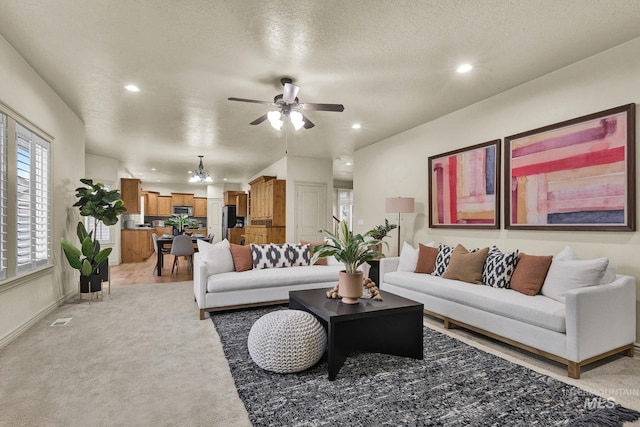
165	241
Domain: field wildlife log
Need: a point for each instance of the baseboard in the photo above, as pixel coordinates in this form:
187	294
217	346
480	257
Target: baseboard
4	341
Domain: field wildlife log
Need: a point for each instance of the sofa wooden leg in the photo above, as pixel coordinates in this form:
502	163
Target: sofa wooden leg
447	324
574	370
629	352
201	314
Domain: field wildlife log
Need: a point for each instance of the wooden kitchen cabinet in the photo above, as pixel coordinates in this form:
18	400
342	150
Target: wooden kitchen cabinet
261	235
130	192
241	205
182	199
164	205
163	230
200	207
235	235
151	203
230	197
268	201
136	245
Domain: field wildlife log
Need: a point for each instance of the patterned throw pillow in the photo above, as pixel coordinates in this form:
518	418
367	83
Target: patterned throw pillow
442	260
269	256
297	255
499	267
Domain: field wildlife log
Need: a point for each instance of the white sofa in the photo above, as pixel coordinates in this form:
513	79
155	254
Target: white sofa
231	290
593	323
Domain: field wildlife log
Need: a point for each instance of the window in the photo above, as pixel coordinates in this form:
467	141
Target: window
3	196
33	209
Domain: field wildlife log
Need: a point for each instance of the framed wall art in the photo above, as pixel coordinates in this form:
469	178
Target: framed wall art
575	175
464	187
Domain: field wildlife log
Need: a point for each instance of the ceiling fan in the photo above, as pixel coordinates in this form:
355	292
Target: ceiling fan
288	105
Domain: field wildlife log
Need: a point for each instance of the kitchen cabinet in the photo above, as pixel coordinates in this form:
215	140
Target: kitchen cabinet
268	201
241	205
182	199
164	205
230	197
151	203
163	230
136	245
261	234
235	235
130	192
200	207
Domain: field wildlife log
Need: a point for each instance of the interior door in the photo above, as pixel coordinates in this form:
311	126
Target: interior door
311	212
214	219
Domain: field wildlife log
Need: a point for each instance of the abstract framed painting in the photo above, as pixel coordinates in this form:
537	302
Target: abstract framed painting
464	187
575	175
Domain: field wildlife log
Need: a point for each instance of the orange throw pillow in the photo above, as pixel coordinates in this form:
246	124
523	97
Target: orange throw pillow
242	259
466	266
426	259
320	261
530	273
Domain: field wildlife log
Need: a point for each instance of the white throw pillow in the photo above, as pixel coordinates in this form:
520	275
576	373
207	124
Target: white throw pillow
572	274
216	257
408	258
569	254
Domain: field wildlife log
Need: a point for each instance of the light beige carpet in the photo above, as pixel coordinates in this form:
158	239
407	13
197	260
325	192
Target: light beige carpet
141	357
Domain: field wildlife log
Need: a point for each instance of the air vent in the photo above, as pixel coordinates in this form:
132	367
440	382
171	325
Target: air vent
61	321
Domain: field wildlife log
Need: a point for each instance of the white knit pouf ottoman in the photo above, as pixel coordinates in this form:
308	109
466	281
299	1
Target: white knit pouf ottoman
287	341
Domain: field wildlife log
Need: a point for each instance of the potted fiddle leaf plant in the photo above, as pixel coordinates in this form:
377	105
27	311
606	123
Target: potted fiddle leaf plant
180	222
352	250
104	206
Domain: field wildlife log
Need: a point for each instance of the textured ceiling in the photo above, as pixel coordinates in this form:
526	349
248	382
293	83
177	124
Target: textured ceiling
391	63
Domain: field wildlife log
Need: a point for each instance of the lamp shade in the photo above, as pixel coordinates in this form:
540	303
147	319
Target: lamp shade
399	204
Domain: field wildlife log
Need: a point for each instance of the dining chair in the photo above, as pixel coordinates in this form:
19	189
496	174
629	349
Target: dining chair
182	245
157	267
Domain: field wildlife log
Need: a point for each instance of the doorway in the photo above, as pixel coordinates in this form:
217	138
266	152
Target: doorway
310	211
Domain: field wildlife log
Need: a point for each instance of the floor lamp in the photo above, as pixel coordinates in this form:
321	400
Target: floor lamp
399	205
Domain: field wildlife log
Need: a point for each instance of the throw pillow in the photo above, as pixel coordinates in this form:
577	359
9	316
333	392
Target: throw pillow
568	254
242	259
408	258
216	257
572	274
530	273
320	261
297	254
426	259
442	260
466	266
269	256
499	267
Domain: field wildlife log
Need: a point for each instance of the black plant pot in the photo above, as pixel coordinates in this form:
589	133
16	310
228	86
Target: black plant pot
91	283
103	270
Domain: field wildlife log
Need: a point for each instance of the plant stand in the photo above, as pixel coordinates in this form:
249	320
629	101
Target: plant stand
90	285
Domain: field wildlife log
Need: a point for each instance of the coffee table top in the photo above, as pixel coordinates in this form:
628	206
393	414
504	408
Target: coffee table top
334	310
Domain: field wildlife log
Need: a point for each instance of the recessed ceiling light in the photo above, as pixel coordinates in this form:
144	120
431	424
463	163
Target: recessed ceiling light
464	68
189	172
348	163
224	179
356	126
154	169
132	88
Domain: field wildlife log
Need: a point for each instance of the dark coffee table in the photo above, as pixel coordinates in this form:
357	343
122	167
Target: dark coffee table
392	326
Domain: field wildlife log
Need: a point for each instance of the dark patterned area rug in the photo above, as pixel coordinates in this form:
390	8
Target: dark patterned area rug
455	385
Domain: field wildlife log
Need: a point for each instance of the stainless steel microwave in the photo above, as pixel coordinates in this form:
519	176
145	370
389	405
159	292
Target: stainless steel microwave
182	210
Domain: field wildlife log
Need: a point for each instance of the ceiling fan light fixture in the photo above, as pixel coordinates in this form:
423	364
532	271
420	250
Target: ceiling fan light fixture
274	119
200	175
296	119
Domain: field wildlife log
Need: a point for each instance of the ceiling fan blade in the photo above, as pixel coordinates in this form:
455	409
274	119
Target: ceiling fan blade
322	107
251	100
259	120
308	124
290	92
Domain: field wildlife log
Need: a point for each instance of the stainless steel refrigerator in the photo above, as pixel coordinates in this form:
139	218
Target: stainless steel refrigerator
228	219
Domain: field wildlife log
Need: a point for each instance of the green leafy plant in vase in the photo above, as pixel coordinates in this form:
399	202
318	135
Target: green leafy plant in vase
104	206
379	232
352	250
180	222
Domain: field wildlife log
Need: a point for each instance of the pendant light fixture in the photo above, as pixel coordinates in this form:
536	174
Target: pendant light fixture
200	175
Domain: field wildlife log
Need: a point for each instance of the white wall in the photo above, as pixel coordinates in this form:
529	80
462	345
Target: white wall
25	92
606	80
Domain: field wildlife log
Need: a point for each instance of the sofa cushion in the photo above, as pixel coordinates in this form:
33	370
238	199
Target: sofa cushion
408	258
426	259
269	256
217	257
442	260
273	277
572	274
241	255
530	273
319	261
536	310
499	267
297	254
567	254
466	266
